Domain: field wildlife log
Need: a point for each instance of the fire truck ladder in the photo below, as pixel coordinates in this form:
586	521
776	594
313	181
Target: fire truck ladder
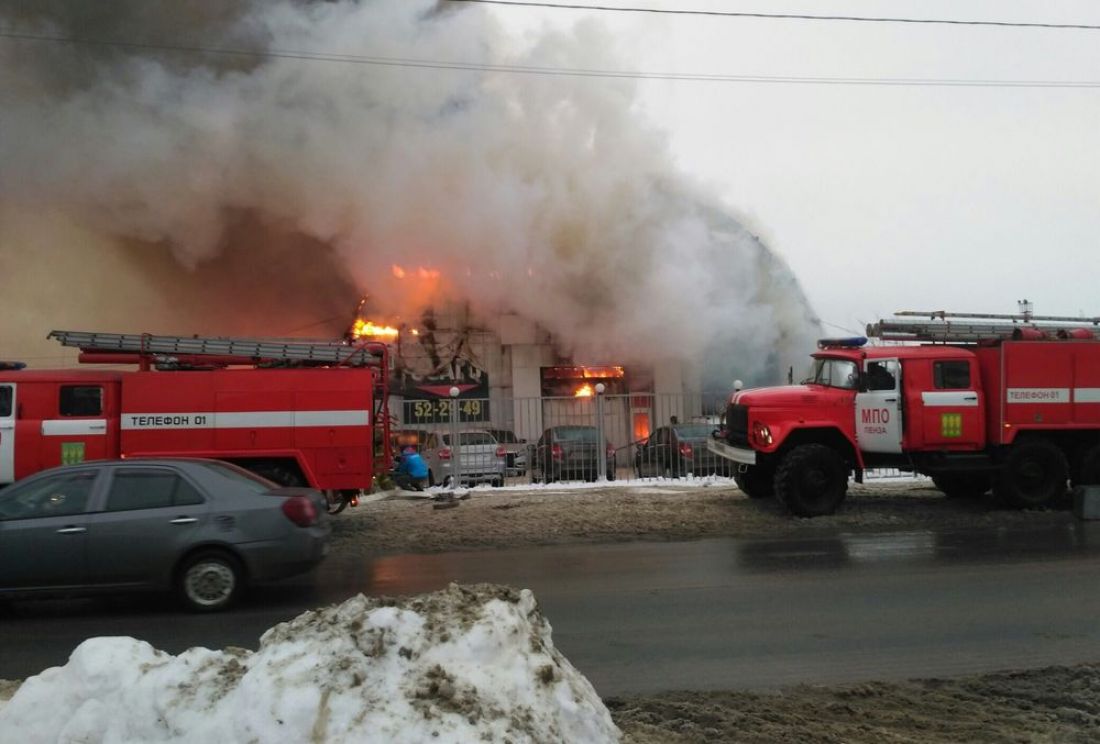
195	352
166	349
936	327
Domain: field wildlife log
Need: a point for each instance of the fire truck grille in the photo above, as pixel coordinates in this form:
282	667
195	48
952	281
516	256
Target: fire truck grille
737	425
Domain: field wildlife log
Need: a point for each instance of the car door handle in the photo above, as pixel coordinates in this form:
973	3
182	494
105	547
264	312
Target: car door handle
970	397
184	520
72	530
890	400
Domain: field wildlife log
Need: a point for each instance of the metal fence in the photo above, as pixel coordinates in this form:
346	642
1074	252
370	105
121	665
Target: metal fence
557	437
645	435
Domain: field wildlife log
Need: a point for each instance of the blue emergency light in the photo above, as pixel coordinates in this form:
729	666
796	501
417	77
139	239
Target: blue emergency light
853	342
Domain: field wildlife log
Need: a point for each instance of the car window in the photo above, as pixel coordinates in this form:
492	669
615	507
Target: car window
81	400
5	401
149	489
470	438
504	436
138	489
54	496
575	434
694	431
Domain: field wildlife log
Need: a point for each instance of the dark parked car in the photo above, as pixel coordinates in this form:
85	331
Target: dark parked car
570	452
678	450
201	527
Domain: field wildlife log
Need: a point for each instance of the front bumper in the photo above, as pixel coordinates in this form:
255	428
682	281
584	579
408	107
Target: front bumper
741	455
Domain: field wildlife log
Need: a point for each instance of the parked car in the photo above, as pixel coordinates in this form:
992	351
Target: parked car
515	451
481	458
202	527
677	450
570	452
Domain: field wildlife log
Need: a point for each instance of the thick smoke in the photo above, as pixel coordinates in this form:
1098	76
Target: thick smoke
538	194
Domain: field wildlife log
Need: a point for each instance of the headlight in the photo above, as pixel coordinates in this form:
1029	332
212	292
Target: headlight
762	433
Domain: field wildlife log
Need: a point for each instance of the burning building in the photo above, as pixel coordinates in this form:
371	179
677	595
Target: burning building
541	219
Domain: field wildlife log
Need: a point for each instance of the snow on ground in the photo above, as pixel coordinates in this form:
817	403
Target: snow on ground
466	664
650	485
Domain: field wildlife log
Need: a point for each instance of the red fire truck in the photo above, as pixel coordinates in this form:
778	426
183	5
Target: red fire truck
1011	405
295	411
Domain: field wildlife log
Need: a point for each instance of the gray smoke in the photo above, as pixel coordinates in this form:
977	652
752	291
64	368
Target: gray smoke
537	194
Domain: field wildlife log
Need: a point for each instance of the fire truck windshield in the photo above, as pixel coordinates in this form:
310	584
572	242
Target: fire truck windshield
839	373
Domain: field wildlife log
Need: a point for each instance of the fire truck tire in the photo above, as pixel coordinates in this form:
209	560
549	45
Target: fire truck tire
812	480
963	485
209	580
279	473
337	501
1088	467
1034	475
756	482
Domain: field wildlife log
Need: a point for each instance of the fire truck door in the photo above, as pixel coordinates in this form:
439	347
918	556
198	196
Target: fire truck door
878	406
79	432
7	433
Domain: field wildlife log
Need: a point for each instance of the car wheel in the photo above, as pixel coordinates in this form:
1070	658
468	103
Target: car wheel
209	581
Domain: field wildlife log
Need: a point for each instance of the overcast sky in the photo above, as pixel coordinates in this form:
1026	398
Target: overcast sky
888	198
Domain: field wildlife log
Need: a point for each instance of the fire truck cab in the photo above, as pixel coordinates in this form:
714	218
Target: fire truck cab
56	417
1014	409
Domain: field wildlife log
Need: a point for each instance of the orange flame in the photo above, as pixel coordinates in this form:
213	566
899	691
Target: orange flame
584	391
367	329
398	271
427	273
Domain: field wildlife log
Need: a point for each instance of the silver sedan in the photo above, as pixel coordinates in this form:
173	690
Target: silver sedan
201	527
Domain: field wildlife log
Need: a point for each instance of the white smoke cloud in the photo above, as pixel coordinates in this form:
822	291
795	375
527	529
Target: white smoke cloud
539	194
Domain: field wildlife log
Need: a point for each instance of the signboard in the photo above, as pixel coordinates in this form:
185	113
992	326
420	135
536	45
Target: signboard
438	410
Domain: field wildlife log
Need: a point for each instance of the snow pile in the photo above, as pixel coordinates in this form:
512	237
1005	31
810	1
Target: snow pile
466	664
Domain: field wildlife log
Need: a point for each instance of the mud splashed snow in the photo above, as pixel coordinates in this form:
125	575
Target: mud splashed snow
469	663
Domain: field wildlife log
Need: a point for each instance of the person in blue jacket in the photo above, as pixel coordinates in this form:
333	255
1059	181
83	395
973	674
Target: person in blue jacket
412	471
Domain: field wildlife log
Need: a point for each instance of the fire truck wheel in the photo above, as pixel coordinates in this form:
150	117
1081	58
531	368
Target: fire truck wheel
209	580
1033	475
1088	468
756	482
811	480
335	501
962	485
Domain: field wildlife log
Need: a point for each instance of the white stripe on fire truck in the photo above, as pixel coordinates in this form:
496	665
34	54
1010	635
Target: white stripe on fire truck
953	398
73	427
243	420
1086	395
1037	395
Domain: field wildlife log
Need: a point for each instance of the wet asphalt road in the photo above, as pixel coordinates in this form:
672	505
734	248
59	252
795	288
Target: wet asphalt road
713	614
